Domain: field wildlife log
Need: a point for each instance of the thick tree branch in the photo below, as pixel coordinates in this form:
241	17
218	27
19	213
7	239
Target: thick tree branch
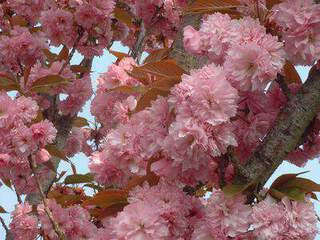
286	133
184	59
283	85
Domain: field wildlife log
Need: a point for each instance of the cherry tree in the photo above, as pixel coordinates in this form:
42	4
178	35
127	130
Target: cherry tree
183	140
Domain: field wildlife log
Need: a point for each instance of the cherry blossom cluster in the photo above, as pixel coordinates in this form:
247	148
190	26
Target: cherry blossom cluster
183	140
166	212
21	140
250	56
299	24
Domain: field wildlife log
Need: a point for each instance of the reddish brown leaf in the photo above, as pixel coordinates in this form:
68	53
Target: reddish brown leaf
79	69
10	87
271	3
165	84
211	6
107	198
119	55
80	122
64	54
123	16
290	74
18	21
161	69
46	83
151	95
2	210
110	211
7	82
157	55
66	200
50	56
5	78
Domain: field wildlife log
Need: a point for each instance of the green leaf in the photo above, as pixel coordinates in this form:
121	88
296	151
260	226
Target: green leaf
284	179
79	178
293	187
295	194
234	189
304	184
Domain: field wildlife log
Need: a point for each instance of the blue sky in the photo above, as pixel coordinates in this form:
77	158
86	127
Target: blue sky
100	65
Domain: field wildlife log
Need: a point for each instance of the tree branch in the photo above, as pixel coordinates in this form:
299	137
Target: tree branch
286	133
184	59
9	235
284	87
138	47
55	225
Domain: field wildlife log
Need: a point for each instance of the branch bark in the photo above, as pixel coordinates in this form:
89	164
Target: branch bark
184	59
286	133
47	210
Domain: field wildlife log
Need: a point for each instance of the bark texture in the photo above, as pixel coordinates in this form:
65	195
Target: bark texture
286	133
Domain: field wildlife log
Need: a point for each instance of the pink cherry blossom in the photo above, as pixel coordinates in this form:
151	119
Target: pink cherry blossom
299	24
159	212
74	222
20	48
24	225
58	26
225	217
29	9
284	220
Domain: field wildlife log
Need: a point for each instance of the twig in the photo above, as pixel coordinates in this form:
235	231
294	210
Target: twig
9	235
4	225
18	197
55	225
137	49
73	50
